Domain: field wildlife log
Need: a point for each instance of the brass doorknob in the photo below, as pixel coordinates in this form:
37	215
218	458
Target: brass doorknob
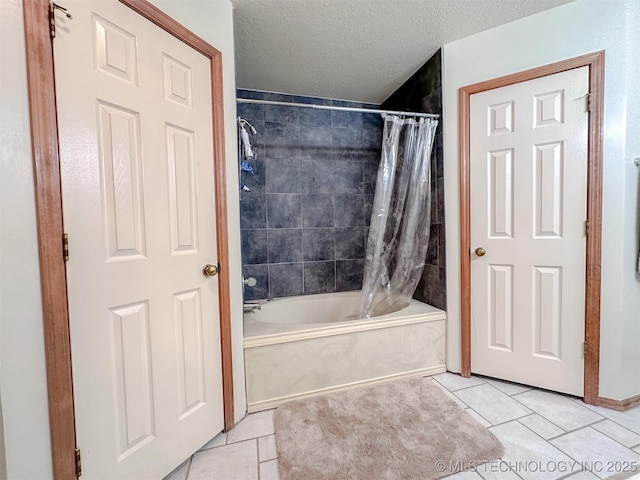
480	251
209	270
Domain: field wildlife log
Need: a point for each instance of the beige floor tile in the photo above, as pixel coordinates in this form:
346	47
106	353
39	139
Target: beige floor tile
541	426
453	381
475	415
630	419
217	441
491	404
451	395
507	387
558	409
496	470
617	433
248	452
180	473
583	475
269	470
237	461
466	475
530	456
267	448
253	425
592	448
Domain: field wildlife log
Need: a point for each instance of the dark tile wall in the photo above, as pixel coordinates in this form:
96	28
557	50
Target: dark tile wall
305	220
423	93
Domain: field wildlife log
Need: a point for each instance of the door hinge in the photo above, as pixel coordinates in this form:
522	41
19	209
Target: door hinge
65	247
585	350
52	20
78	463
52	17
588	101
586	228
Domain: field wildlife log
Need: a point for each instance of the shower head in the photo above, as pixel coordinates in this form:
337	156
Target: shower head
242	122
248	151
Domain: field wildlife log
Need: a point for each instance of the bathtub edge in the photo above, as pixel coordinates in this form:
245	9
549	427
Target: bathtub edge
328	330
275	402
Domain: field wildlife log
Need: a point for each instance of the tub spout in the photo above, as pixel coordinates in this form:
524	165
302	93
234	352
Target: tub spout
251	306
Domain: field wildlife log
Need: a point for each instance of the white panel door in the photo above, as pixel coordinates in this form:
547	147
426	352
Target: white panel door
136	147
528	144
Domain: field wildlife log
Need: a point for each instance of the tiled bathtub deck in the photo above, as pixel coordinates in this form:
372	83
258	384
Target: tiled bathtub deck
546	436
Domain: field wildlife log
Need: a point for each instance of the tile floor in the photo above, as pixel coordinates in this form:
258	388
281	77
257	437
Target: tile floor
545	435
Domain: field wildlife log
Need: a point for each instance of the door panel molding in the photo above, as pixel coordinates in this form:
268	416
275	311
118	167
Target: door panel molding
595	62
48	196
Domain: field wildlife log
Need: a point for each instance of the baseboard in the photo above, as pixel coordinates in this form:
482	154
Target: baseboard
275	402
620	405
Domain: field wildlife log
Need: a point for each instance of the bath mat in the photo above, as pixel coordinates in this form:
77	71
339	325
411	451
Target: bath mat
399	430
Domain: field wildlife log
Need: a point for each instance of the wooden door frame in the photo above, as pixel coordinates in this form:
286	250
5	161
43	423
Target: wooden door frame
595	62
49	217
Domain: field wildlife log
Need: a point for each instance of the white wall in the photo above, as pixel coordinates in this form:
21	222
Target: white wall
22	364
570	30
3	459
630	335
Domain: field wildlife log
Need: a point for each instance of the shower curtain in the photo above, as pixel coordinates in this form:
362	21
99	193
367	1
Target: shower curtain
401	217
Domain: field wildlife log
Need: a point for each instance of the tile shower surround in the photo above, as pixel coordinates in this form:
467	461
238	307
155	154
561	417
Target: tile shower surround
305	221
423	93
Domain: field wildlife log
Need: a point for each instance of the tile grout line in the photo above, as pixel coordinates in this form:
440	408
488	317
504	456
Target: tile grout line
463	388
488	379
456	399
566	431
610	437
469	408
516	419
597	431
266	224
552	423
589	407
551	444
617	423
501	392
579	428
545	440
257	457
186	477
335	262
533	412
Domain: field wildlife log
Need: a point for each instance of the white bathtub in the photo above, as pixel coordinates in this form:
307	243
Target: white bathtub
300	346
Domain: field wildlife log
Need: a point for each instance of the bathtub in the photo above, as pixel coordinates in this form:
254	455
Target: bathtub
300	346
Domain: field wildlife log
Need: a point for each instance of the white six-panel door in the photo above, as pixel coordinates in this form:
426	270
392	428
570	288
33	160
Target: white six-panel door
528	144
136	148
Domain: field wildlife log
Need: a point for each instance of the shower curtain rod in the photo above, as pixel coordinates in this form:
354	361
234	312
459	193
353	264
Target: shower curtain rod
341	109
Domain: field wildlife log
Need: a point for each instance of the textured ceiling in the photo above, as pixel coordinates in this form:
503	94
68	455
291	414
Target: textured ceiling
359	50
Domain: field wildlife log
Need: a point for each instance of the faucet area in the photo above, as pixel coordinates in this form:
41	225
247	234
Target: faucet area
342	240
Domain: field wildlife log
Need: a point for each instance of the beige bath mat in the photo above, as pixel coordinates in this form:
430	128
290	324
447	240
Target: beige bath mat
400	430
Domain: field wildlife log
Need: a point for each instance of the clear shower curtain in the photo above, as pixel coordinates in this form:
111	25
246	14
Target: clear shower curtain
401	217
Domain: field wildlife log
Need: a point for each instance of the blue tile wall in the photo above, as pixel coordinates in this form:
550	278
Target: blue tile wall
305	221
423	93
